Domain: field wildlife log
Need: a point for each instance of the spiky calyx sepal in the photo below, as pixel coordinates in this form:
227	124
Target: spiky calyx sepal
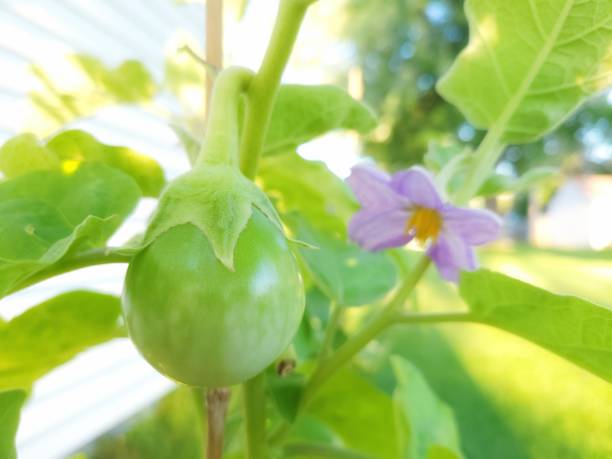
218	200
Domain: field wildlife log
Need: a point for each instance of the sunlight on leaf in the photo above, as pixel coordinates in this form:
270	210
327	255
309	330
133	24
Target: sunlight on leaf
431	428
529	64
11	402
574	328
302	113
360	413
53	332
78	146
46	215
309	187
69	149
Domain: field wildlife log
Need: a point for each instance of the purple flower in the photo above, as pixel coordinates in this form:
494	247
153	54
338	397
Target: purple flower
396	209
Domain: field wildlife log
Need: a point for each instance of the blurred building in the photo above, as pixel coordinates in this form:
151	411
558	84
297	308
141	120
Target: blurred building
579	216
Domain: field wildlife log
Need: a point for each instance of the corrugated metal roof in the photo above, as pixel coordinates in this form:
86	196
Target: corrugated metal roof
104	386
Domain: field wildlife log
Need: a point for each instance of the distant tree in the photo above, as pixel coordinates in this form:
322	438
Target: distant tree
404	46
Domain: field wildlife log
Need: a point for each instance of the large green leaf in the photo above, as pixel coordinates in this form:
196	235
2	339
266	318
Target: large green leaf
23	154
310	188
68	150
83	84
344	272
47	215
53	332
11	402
431	429
302	113
93	189
74	147
574	328
512	399
530	63
360	413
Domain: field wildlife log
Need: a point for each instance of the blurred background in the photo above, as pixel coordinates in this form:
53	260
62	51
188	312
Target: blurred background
67	63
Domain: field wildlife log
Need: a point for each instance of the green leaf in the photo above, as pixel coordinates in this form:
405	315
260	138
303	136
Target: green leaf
23	154
93	189
75	147
344	272
53	332
302	113
83	84
571	327
286	393
361	414
47	215
432	431
310	188
527	67
10	409
497	183
68	150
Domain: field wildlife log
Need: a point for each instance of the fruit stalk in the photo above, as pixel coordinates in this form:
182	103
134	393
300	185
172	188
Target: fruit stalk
216	405
221	141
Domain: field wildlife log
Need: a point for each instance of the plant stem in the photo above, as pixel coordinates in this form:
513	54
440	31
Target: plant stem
351	347
91	258
485	157
216	405
255	414
316	450
332	327
222	141
263	89
414	319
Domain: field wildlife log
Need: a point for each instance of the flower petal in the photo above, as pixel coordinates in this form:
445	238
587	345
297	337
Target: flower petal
373	229
418	186
474	226
372	187
452	255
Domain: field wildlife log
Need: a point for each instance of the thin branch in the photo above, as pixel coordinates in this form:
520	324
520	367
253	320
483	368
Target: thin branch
107	255
212	69
412	318
316	450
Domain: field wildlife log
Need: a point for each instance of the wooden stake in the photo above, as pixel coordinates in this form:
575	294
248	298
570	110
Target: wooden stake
214	42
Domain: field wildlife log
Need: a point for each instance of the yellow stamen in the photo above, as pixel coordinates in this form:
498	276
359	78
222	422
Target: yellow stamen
425	224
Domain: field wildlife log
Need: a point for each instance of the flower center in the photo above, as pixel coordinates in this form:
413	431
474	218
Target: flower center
424	223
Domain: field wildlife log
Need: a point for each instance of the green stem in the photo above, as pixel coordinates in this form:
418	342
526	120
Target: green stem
351	347
255	416
262	91
332	327
222	139
91	258
315	450
485	157
415	319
